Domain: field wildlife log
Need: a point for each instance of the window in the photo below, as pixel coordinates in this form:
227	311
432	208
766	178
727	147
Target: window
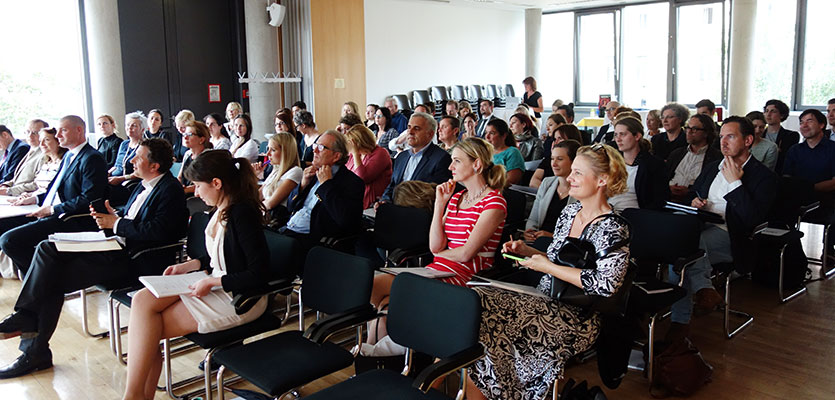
596	46
699	53
555	59
819	54
41	74
644	63
773	51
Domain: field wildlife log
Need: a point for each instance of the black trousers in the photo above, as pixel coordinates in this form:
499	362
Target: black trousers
19	241
52	274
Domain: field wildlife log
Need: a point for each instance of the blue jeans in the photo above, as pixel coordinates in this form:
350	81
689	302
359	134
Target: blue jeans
717	246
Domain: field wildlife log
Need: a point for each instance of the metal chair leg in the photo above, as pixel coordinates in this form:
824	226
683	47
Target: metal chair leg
780	289
84	322
730	333
826	273
651	348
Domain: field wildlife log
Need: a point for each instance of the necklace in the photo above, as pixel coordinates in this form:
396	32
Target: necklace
468	200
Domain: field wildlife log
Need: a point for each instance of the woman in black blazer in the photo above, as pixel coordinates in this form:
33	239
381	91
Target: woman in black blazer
237	260
647	183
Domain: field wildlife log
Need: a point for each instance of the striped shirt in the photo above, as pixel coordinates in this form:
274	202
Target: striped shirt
458	225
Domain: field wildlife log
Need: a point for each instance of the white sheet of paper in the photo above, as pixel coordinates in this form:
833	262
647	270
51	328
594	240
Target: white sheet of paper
524	289
84	247
171	285
424	272
77	236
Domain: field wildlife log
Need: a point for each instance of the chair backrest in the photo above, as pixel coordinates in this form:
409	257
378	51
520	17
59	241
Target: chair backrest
433	317
508	91
335	282
421	97
662	237
402	102
458	92
196	205
398	227
262	147
439	93
516	205
175	168
285	255
475	92
792	194
196	238
492	91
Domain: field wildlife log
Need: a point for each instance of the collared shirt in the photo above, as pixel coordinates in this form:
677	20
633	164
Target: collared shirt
140	200
690	166
52	198
414	160
300	221
719	188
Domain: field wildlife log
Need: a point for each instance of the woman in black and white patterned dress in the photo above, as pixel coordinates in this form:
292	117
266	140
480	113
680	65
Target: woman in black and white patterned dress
528	339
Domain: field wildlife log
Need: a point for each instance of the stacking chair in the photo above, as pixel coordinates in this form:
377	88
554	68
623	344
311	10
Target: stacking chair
426	316
439	93
476	93
403	232
508	91
458	92
421	97
402	102
338	285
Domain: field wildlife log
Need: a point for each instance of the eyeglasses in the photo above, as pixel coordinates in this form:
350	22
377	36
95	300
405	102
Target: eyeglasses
189	134
693	128
319	147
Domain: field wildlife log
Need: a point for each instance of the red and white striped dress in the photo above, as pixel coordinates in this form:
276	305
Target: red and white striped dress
458	225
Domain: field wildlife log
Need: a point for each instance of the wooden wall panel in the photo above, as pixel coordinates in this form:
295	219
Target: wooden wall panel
338	30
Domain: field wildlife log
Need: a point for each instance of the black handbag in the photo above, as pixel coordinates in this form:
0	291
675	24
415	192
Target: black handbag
581	254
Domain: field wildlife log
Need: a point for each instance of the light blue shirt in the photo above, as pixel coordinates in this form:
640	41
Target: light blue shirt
414	160
300	221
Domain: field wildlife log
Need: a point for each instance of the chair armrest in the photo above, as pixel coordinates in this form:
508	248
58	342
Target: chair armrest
806	209
243	302
444	367
399	256
321	330
158	248
332	242
684	262
64	217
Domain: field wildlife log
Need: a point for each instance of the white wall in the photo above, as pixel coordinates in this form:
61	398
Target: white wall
481	45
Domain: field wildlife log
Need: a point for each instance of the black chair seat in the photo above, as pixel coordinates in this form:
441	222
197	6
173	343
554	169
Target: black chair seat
641	301
264	323
723	268
376	384
127	282
123	295
301	361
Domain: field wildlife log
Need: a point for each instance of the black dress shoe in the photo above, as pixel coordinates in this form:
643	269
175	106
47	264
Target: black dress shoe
24	365
18	324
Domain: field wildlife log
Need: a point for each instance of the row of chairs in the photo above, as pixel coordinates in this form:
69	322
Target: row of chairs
440	94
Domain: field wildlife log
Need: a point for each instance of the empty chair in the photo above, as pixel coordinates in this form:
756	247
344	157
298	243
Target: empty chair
403	232
492	91
402	102
508	91
458	92
475	92
421	97
439	93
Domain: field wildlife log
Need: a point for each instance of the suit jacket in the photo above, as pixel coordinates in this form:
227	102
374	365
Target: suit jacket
245	250
433	167
163	219
651	183
785	140
482	125
338	213
604	135
748	206
84	181
544	196
711	155
16	151
28	168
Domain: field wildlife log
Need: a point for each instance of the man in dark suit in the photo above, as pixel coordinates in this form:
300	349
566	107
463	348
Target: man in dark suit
155	215
742	191
13	151
328	201
485	108
607	132
81	179
830	116
776	112
424	161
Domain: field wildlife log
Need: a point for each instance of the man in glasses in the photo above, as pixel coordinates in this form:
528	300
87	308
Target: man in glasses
328	202
607	132
30	163
686	163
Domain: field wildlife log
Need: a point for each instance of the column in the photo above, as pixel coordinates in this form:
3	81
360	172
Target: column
740	72
107	83
261	57
533	29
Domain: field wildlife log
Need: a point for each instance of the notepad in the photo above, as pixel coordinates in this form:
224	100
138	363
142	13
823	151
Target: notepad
424	272
80	242
513	287
171	285
653	287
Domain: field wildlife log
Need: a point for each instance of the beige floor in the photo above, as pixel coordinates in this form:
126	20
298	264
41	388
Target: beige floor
787	353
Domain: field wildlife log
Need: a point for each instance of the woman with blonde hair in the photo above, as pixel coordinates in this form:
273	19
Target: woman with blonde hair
197	139
416	194
653	123
529	338
181	120
233	109
368	161
283	155
349	107
464	108
109	142
466	226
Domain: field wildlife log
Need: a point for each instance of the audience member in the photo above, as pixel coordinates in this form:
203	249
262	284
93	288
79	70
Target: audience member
527	139
470	125
196	140
526	110
415	194
606	132
653	123
347	121
561	133
424	161
122	171
218	135
448	132
385	132
485	108
243	145
685	164
285	176
830	115
567	112
647	182
108	144
237	260
305	124
451	109
44	167
284	123
13	151
298	107
233	109
398	120
553	122
532	97
775	113
741	190
466	226
528	367
369	162
350	107
464	108
370	112
765	151
81	179
556	105
552	195
706	107
153	128
673	118
505	152
328	202
813	159
183	118
31	162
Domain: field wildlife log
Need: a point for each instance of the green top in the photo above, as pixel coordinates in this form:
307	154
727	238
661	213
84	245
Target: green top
511	158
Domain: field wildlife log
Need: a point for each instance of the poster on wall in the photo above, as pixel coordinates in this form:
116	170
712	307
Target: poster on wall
214	93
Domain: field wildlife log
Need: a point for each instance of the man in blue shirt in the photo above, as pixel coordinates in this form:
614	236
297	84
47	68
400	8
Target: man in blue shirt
13	151
398	120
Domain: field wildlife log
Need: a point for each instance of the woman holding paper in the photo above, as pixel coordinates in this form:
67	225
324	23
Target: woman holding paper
237	260
529	338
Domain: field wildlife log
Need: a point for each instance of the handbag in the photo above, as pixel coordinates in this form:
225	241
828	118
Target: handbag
580	253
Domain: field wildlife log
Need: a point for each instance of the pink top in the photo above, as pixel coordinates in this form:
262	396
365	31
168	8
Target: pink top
458	225
375	171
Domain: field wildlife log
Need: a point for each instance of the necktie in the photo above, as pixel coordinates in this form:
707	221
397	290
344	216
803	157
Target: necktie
52	197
